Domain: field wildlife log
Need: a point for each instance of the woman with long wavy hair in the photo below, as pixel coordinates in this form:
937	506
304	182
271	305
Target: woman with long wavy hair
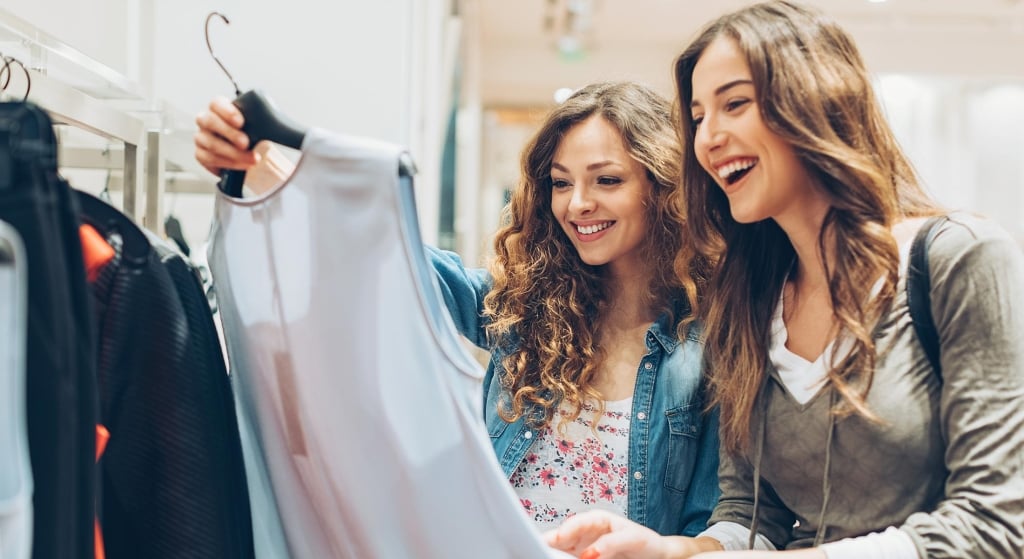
840	438
594	394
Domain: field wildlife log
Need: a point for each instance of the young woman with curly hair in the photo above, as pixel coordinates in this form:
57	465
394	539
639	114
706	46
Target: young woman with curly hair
840	438
594	394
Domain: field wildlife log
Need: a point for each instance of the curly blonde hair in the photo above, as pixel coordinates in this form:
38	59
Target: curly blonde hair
814	91
546	304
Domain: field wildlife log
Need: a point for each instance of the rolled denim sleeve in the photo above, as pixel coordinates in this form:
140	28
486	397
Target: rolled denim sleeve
703	492
463	290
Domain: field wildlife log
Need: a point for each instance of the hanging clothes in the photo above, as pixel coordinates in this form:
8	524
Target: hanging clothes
61	380
366	408
172	477
15	469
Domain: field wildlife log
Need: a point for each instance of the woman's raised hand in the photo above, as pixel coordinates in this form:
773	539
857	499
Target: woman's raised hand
220	143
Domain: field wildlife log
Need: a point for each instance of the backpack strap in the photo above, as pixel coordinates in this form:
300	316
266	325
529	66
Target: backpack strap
919	291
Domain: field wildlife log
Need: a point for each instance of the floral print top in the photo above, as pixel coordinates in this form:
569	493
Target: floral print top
570	471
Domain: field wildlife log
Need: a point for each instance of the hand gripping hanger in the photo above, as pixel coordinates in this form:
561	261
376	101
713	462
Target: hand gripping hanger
264	122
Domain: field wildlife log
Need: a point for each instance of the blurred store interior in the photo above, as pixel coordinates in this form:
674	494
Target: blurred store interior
463	83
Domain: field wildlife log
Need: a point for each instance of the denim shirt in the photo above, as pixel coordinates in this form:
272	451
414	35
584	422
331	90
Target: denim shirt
673	446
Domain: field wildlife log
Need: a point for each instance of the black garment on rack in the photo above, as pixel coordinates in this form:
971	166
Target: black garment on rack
173	480
60	385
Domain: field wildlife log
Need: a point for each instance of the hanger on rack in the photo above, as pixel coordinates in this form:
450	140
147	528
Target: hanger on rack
263	121
6	74
173	229
28	146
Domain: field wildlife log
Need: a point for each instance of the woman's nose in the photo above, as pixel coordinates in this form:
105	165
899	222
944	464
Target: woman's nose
709	135
581	201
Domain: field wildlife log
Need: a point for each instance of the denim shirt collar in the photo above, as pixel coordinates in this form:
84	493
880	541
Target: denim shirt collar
664	333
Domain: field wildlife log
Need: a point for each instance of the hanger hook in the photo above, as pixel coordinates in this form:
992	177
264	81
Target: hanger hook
210	47
5	73
7	78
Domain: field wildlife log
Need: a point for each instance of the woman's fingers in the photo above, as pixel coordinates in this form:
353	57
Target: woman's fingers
220	143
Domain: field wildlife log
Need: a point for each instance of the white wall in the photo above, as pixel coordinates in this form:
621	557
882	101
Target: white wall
965	136
100	29
332	65
380	69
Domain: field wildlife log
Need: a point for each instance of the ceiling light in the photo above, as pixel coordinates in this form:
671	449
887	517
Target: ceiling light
562	93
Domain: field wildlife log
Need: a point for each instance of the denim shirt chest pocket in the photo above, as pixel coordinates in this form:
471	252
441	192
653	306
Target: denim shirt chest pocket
684	432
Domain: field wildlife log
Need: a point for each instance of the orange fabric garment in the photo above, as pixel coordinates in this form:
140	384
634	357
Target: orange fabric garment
102	436
95	250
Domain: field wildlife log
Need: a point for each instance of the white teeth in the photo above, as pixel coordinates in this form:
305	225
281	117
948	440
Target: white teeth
591	229
736	166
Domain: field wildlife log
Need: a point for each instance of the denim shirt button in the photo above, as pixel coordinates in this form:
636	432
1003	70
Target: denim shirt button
648	366
638	475
641	416
528	435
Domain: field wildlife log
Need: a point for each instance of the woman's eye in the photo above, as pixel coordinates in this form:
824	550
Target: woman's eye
695	121
559	183
735	104
609	180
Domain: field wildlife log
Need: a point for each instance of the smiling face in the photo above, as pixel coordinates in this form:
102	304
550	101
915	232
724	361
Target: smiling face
598	195
758	170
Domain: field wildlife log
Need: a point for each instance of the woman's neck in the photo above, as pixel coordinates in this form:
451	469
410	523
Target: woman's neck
629	303
620	334
804	232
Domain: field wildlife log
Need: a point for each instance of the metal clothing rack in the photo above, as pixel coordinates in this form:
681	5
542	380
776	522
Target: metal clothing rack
83	93
70	106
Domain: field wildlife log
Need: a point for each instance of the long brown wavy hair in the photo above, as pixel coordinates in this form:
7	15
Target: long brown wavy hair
546	304
814	91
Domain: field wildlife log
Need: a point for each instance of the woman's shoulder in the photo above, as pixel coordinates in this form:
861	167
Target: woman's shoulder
962	228
963	234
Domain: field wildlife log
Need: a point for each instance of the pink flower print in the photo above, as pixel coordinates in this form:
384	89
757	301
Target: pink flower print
578	463
548	477
606	492
564	446
532	458
600	464
527	504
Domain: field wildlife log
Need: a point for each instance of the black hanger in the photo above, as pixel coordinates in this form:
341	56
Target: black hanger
262	121
28	146
172	227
